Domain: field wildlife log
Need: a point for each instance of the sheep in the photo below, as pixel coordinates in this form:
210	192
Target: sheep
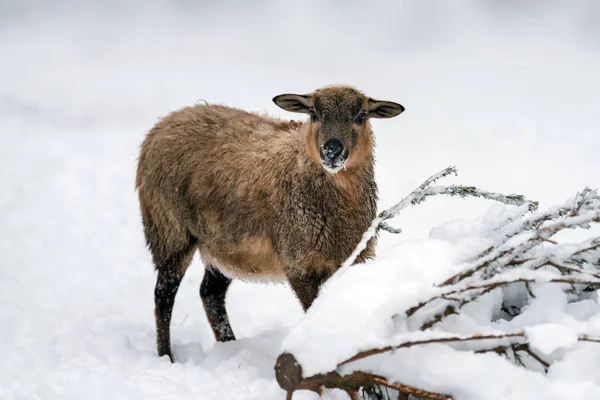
262	199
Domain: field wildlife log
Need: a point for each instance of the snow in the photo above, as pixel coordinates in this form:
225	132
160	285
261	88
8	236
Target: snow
512	101
469	376
550	337
370	294
364	307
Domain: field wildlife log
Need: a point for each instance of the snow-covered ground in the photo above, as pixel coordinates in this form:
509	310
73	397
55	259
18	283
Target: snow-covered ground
509	96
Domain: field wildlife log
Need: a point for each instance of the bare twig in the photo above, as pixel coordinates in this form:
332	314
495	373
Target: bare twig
527	349
503	350
449	339
518	336
384	226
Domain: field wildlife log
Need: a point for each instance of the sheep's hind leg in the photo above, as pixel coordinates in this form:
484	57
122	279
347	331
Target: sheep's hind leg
212	292
170	273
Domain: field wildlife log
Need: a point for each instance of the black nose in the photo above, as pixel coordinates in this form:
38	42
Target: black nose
332	149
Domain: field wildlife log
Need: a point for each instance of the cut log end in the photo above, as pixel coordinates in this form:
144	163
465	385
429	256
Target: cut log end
288	372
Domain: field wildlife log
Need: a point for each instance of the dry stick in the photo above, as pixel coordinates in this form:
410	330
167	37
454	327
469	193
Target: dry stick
352	382
368	353
451	339
501	350
527	349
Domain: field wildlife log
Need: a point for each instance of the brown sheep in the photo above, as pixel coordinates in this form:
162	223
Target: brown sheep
261	198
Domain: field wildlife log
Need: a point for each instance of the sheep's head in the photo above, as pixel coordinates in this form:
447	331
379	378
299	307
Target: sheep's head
339	133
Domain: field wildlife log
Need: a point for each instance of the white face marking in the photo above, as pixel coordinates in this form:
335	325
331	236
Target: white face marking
334	170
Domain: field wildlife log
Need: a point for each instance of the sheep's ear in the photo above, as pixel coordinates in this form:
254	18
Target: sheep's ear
299	103
384	109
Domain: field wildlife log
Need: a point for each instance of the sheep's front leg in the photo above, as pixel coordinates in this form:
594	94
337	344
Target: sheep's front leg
306	288
212	292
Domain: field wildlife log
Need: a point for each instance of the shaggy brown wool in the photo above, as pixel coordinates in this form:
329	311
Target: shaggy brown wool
251	193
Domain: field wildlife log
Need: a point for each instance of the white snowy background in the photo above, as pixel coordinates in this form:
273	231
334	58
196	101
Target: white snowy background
507	91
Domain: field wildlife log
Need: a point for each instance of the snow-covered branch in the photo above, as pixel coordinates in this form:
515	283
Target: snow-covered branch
511	249
482	287
506	338
478	279
422	193
504	252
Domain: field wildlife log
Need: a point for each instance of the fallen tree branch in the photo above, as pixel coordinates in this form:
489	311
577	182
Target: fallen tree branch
515	244
288	371
289	376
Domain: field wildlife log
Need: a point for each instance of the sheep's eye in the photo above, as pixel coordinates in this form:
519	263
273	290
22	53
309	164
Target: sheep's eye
313	114
360	118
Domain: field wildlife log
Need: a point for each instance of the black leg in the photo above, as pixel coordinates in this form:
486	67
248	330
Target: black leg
167	284
212	292
171	268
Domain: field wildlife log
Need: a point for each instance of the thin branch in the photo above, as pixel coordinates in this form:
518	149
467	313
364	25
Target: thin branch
411	390
517	357
503	350
527	349
419	195
449	339
565	268
449	310
452	339
384	226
